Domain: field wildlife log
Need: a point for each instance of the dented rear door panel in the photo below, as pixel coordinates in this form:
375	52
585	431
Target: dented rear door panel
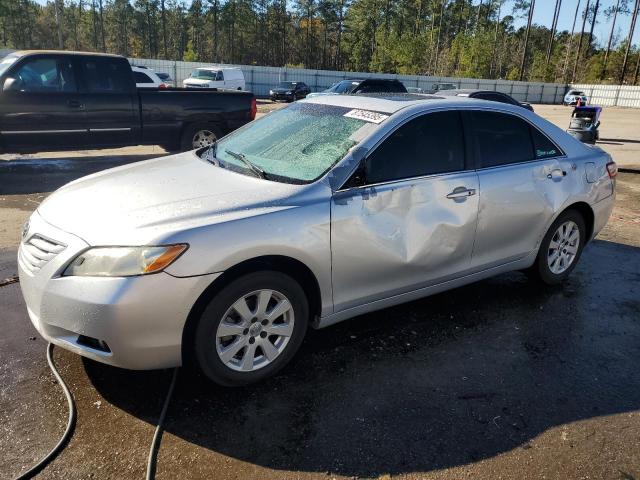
396	237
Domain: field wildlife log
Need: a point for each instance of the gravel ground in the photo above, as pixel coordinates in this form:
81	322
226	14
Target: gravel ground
499	379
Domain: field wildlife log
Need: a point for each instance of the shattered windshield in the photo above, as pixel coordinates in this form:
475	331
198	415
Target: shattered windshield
297	144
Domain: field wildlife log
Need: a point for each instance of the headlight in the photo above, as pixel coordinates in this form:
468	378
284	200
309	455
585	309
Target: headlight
270	92
288	93
123	261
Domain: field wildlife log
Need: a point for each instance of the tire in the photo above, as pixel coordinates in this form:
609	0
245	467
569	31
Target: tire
224	359
170	148
188	140
544	268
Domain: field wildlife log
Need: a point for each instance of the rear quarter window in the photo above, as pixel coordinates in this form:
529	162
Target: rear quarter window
544	148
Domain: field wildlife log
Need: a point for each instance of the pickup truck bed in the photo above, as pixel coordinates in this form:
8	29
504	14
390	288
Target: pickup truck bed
52	100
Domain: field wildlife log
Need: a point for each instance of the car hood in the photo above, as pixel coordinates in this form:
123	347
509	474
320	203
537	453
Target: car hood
197	81
149	201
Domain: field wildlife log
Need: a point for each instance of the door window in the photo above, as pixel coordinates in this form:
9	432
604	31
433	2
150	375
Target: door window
44	75
219	76
430	144
501	139
105	75
140	77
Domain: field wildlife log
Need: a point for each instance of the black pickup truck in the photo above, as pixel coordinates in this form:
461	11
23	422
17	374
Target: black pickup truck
51	100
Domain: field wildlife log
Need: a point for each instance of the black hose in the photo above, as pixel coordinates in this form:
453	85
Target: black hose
157	436
71	423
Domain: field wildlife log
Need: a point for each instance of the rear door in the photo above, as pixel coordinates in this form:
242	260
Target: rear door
522	176
41	108
111	101
413	222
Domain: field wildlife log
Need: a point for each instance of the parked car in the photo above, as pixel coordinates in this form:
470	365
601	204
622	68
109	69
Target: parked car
437	87
572	97
216	77
289	91
166	78
327	209
64	100
486	95
146	78
369	85
417	90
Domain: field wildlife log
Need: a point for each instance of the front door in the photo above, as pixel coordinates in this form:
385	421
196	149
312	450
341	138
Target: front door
40	107
412	223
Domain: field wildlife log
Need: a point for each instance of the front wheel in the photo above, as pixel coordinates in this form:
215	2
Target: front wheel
560	249
251	329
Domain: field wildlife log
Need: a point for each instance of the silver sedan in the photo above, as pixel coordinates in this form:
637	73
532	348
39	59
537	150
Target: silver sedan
330	208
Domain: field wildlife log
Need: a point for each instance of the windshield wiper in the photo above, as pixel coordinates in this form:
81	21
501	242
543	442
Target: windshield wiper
252	166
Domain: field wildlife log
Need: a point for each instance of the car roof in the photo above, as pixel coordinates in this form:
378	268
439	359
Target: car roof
216	68
391	103
380	102
466	91
64	52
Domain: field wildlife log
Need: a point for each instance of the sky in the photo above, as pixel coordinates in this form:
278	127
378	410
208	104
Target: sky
543	15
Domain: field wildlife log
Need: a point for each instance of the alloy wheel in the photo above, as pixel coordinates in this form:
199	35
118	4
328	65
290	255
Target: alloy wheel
255	330
563	247
203	138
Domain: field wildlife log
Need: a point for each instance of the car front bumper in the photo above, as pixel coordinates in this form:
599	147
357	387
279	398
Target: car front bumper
140	319
282	96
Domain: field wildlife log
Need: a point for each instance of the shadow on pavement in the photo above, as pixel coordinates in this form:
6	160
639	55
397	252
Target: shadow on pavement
25	175
440	382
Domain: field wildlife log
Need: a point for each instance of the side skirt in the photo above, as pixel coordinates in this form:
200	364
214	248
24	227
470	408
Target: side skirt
337	317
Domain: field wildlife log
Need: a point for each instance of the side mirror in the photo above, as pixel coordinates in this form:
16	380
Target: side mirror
8	84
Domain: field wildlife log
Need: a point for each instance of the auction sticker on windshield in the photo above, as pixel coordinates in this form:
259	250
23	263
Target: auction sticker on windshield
366	115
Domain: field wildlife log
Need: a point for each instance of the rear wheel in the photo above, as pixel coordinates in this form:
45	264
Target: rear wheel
251	328
199	135
560	249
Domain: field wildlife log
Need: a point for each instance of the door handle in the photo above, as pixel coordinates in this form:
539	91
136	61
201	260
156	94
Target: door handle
461	192
556	173
75	104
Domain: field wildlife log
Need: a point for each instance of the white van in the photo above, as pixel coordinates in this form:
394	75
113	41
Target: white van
216	77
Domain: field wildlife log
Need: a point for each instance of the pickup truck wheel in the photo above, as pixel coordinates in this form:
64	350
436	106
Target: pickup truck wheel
198	136
251	328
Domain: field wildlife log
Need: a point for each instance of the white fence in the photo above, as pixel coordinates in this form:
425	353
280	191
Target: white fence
611	95
260	79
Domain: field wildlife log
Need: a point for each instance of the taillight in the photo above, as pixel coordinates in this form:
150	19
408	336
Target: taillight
612	168
254	109
163	85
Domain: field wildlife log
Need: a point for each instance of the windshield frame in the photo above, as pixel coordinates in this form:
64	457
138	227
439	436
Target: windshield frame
7	62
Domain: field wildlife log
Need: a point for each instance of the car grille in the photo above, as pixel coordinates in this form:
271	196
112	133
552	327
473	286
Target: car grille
37	251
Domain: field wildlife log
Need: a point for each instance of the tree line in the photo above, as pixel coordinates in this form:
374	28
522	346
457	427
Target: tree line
462	38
